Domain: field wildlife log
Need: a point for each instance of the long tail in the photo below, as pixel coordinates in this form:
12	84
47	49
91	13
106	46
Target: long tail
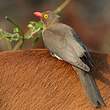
90	87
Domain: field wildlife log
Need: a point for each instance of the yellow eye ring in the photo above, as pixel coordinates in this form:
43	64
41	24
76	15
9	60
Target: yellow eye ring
46	16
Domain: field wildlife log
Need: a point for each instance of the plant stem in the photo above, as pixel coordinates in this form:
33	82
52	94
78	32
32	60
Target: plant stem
16	25
20	42
18	45
62	6
9	45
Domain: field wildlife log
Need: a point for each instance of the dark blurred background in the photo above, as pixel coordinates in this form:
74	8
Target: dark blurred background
90	18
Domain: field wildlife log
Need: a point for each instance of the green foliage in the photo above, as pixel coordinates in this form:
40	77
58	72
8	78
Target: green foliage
33	33
9	36
16	30
35	25
33	28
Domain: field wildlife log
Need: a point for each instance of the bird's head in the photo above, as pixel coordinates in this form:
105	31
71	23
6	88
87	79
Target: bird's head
47	17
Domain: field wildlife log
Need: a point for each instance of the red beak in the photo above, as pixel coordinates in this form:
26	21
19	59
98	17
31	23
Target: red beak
38	14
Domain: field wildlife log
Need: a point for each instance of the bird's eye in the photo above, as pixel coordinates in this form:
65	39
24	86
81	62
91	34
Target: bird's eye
46	16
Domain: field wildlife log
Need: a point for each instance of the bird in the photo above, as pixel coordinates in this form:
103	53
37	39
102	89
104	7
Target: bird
65	44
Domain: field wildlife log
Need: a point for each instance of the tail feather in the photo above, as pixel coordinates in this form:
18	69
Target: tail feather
90	87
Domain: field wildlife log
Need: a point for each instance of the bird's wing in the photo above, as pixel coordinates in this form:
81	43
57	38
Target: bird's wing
61	42
86	58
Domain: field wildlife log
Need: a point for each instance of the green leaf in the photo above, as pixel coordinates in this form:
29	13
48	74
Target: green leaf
33	25
39	25
16	30
10	36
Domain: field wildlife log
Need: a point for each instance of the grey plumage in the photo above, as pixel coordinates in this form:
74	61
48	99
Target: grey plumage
60	39
63	42
90	87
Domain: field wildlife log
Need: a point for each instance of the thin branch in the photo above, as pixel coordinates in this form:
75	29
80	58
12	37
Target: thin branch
62	6
18	45
20	42
9	46
16	25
